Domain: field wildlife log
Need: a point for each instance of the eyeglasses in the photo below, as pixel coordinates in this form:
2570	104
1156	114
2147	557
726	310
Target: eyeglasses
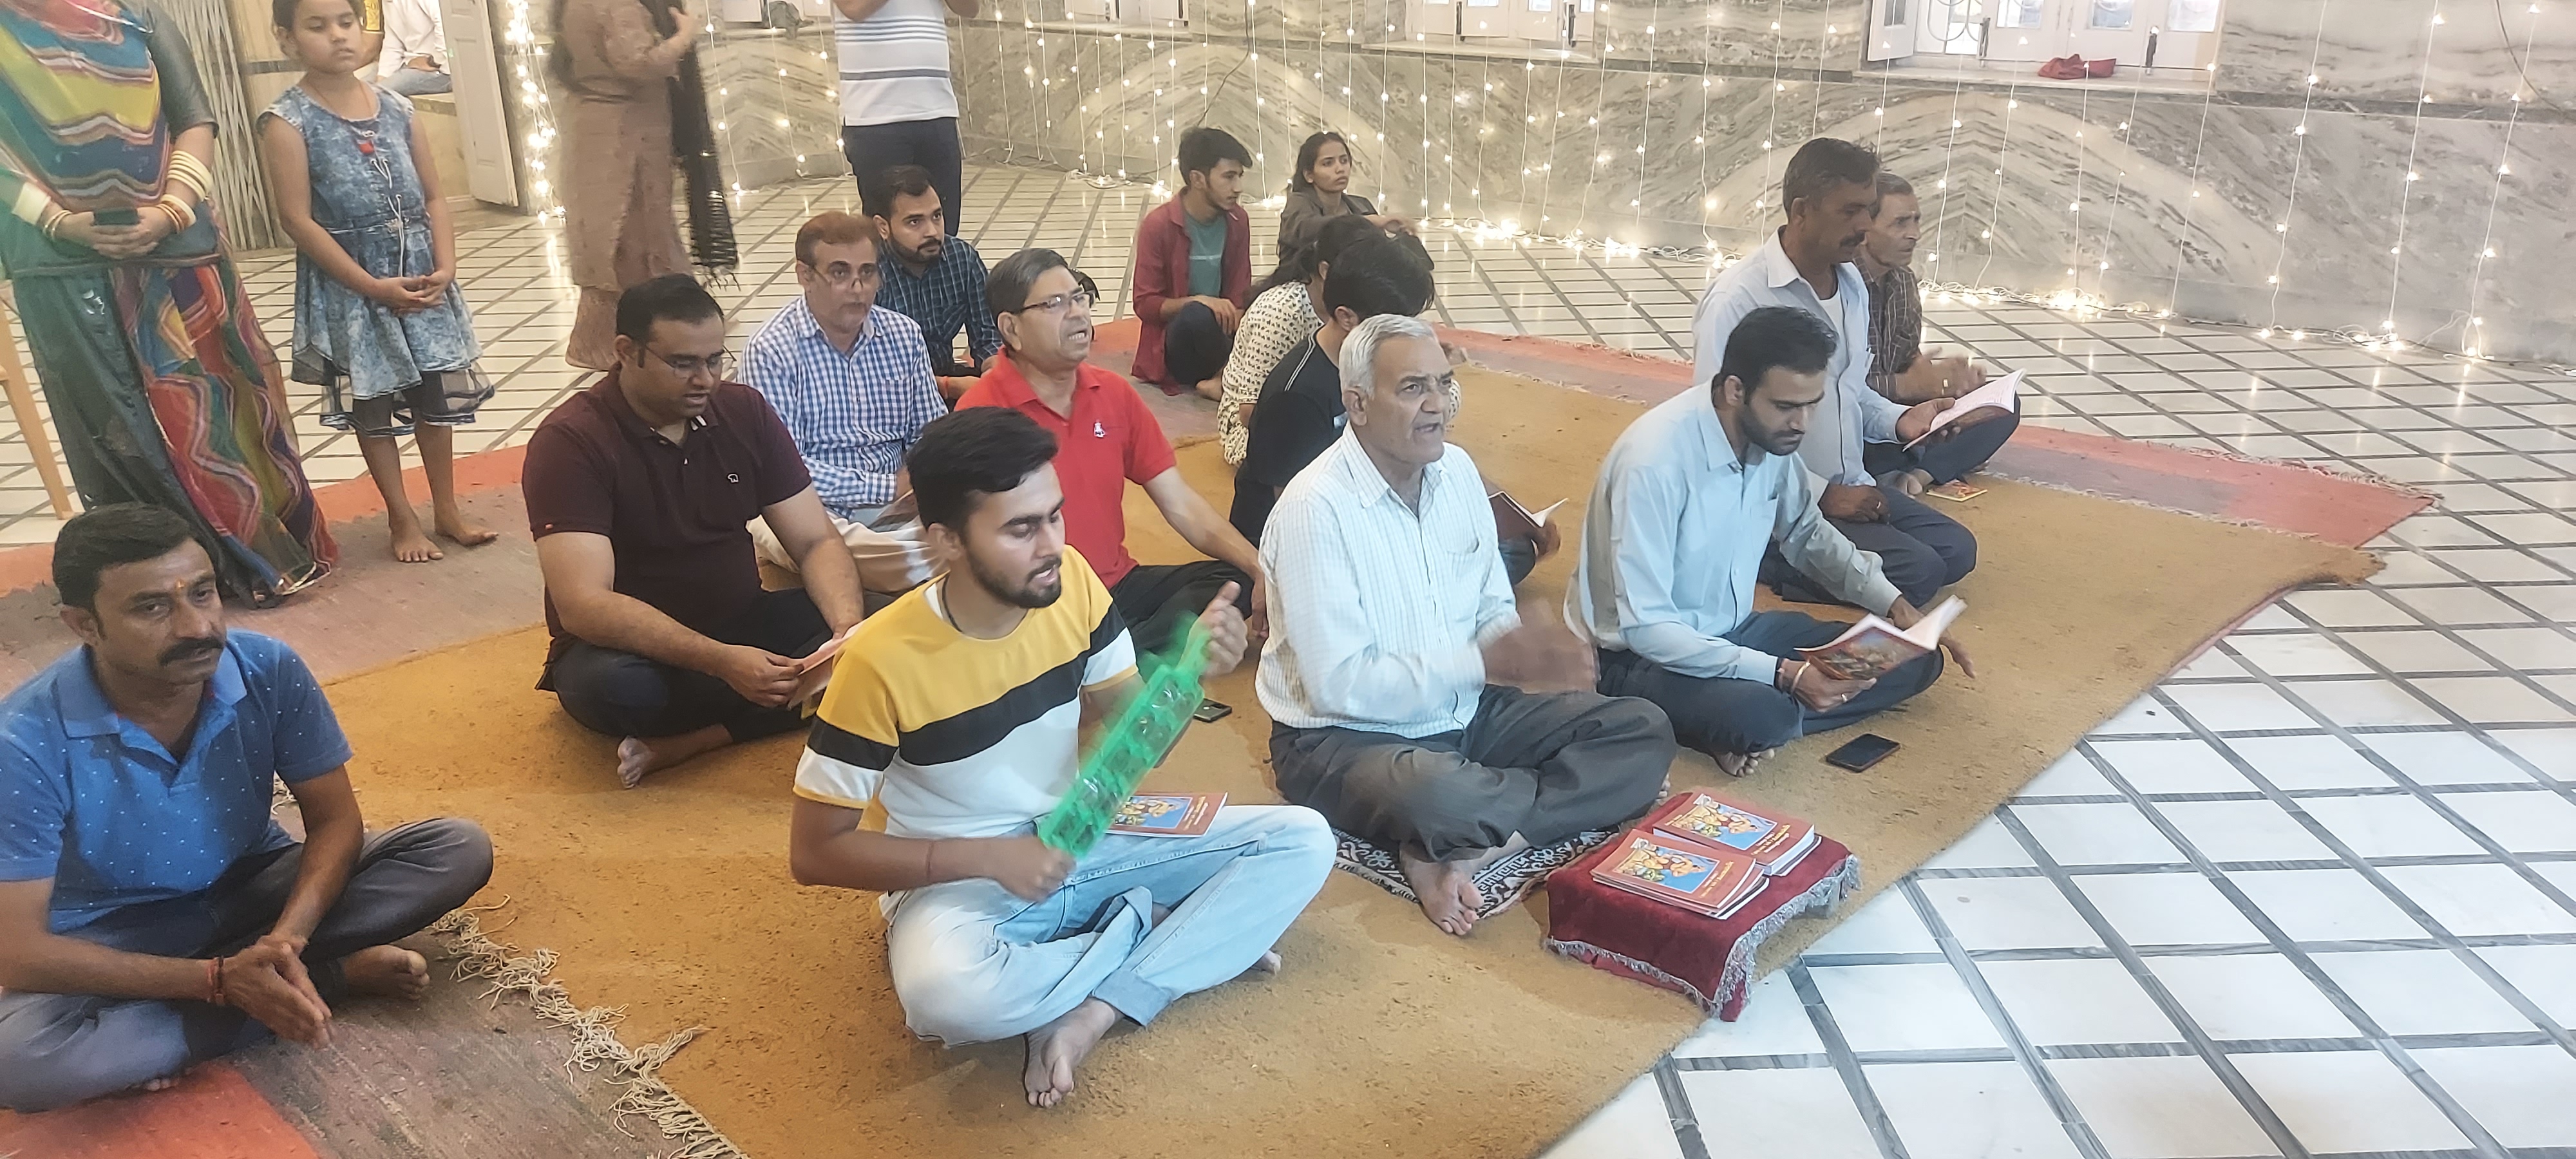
841	275
1056	303
716	365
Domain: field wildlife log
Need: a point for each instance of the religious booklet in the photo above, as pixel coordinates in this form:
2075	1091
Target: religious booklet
815	670
1705	880
1514	521
1774	840
1956	491
1167	814
2003	394
1873	646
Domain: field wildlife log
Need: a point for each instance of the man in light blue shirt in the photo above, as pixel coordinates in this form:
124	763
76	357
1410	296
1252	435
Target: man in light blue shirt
1390	618
1829	190
852	382
1688	501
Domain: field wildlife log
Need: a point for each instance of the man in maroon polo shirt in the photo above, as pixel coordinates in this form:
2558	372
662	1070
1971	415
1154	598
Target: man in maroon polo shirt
639	492
1105	438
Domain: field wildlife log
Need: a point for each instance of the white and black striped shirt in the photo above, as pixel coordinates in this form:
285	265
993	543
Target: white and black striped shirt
894	65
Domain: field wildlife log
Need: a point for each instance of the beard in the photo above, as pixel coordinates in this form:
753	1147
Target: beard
1022	592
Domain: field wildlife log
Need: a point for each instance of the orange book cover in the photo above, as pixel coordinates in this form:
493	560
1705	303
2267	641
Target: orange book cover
1761	834
1692	876
1167	814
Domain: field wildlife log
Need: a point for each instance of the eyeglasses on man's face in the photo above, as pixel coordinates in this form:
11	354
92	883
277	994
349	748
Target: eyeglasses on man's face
1057	303
843	275
716	365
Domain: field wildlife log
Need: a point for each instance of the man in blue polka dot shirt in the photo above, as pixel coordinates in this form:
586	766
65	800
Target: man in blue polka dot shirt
152	913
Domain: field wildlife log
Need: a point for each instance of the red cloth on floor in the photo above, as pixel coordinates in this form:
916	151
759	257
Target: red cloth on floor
1709	959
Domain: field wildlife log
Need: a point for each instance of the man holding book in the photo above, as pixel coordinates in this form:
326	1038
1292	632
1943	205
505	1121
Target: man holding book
952	718
1388	609
1828	191
1687	503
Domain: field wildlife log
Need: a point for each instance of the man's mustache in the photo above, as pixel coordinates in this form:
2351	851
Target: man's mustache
192	649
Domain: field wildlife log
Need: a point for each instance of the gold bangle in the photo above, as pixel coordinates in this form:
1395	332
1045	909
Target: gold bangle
52	225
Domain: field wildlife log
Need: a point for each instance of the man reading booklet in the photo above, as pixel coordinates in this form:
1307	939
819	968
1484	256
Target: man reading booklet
1687	502
952	718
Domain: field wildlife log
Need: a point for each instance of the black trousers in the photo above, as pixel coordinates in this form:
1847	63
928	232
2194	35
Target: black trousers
931	144
1195	345
1721	716
57	1049
622	694
1945	460
1160	601
1921	549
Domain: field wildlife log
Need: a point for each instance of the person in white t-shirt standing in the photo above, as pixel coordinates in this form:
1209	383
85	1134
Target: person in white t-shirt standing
898	106
414	59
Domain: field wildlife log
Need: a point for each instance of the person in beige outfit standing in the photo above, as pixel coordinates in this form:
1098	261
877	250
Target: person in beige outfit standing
617	158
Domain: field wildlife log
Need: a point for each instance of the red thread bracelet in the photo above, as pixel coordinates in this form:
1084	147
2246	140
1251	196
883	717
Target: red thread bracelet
215	981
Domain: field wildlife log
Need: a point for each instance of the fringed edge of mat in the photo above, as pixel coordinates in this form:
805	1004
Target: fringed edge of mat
595	1045
1735	978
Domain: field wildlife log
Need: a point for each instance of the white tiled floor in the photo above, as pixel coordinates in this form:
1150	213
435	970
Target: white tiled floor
2310	896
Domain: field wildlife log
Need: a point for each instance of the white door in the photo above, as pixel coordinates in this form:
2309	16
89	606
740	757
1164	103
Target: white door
2027	30
1891	29
490	172
2188	36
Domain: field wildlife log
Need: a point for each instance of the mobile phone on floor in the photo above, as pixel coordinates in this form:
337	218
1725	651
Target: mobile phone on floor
1211	712
1864	750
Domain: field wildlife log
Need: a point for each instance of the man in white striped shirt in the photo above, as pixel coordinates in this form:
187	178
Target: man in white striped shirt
1388	606
898	106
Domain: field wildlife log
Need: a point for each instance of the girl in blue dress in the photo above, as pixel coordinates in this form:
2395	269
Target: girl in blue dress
379	322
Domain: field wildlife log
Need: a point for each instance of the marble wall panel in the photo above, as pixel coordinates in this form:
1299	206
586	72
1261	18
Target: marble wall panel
2161	195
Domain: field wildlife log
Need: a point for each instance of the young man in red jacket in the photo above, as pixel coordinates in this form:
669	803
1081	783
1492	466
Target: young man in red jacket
1194	268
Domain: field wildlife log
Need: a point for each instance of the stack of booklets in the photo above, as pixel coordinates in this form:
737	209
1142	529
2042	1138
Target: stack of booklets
1775	841
1706	855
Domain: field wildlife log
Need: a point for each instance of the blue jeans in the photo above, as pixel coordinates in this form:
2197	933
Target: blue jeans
415	82
974	963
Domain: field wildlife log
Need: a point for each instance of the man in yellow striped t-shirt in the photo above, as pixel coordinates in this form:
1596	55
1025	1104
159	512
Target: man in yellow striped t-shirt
952	723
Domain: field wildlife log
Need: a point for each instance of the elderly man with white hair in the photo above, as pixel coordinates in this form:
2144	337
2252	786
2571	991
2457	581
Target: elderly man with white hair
1388	604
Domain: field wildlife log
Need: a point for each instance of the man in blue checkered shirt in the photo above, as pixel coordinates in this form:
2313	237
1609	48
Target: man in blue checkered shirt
934	279
852	381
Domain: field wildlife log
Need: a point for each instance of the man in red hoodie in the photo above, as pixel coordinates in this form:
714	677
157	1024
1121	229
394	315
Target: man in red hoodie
1194	268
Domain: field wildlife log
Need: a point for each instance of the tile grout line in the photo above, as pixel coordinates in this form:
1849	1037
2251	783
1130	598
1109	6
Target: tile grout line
1865	1100
2256	1107
2397	896
2070	1118
2377	1036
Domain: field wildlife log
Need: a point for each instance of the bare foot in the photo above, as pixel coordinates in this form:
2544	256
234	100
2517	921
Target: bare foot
1447	889
165	1082
1059	1046
386	972
1213	388
410	546
1741	764
638	756
464	532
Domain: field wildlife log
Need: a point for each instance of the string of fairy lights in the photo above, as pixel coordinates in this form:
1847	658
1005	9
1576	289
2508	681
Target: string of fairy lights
1081	74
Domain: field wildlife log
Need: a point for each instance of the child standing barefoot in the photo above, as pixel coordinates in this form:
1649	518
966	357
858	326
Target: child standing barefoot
379	322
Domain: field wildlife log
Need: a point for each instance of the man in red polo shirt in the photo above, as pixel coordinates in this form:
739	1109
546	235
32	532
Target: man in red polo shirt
1105	438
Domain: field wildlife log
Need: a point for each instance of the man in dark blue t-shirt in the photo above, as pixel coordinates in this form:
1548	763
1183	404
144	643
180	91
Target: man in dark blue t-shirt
152	913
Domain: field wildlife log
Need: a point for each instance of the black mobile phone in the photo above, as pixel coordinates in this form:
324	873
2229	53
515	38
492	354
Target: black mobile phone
1211	712
114	217
1864	750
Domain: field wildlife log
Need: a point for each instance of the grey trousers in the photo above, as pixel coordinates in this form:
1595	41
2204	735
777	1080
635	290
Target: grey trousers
1544	765
57	1049
1724	717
